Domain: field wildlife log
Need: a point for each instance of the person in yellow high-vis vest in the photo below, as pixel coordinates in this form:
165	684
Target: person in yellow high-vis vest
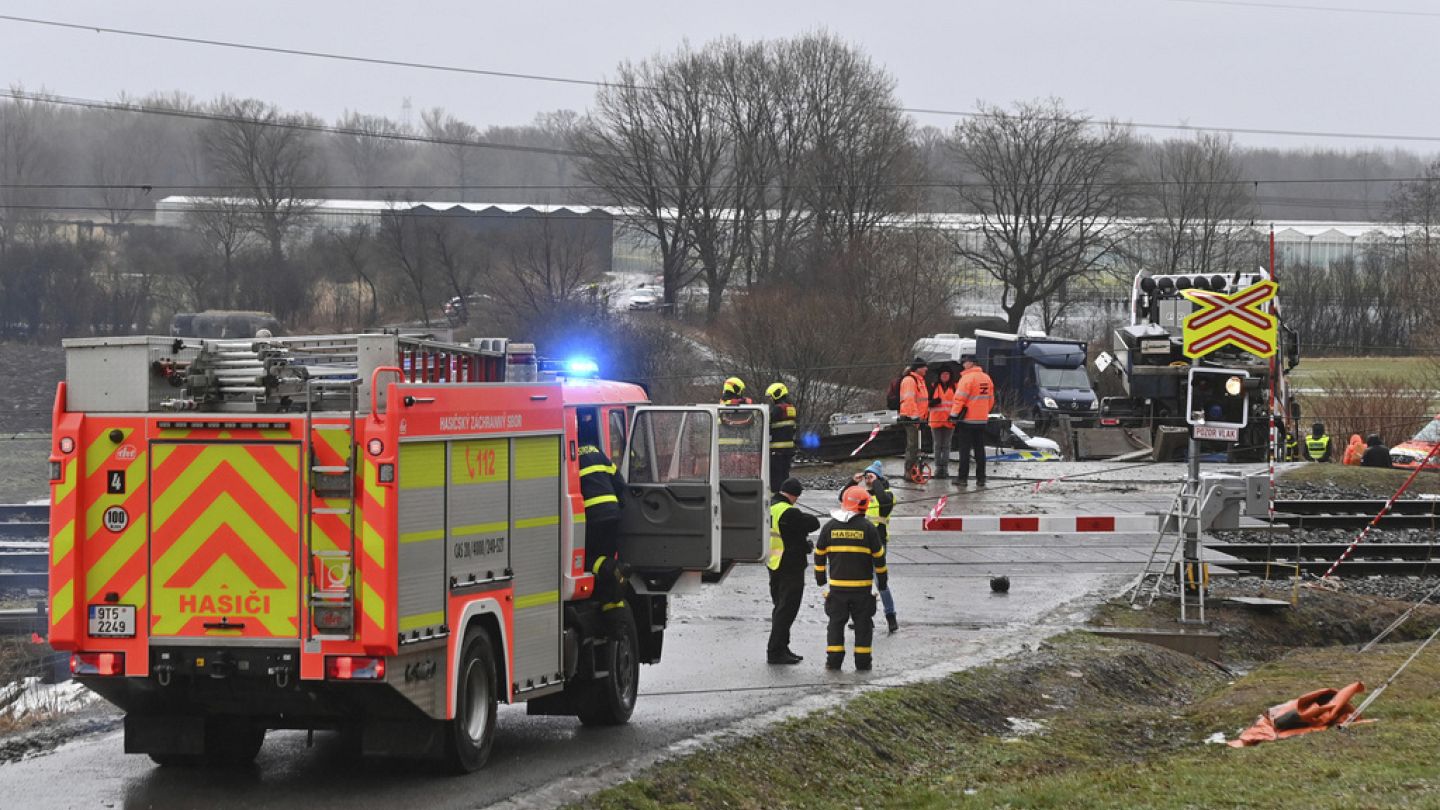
789	557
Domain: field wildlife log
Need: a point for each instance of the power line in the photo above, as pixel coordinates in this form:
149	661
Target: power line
1303	7
603	84
115	106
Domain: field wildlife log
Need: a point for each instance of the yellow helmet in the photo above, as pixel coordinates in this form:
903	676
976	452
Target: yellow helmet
735	386
777	390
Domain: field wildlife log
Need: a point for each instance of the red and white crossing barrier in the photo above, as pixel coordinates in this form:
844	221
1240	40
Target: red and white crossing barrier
1041	524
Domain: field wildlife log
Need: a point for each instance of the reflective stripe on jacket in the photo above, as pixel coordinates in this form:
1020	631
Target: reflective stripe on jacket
782	426
944	397
599	485
850	555
1317	449
974	397
914	396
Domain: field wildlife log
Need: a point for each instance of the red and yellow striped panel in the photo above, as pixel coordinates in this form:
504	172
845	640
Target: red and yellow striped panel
225	540
376	584
66	512
114	549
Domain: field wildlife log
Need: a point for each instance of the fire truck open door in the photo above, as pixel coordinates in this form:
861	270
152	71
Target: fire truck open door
744	447
672	474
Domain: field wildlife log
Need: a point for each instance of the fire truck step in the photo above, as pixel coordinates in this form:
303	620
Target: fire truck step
329	427
330	468
330	510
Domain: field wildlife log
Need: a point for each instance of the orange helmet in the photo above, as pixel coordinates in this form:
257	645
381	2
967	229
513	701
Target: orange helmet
855	499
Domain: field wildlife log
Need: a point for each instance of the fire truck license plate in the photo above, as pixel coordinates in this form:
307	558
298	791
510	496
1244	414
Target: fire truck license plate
114	621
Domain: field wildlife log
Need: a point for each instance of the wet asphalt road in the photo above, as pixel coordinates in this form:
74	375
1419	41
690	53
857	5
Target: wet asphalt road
713	676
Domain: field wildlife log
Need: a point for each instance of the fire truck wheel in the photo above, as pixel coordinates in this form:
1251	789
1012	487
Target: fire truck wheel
610	701
233	741
471	734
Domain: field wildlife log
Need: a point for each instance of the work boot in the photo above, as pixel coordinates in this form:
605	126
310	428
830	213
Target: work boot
961	482
862	663
784	657
834	660
980	483
892	622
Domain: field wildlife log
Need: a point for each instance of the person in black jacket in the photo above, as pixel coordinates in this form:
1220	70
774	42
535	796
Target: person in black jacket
789	553
603	490
849	556
1376	453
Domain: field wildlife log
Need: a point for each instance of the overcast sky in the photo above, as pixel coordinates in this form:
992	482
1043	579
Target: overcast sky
1201	62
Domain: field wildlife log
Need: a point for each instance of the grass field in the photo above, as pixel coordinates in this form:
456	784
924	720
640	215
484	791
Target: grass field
1313	370
1083	722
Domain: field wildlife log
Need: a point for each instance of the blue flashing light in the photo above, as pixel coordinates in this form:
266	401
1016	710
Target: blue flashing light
581	367
809	440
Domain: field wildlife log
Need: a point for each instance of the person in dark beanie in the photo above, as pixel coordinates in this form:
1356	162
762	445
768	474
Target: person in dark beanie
789	556
1376	453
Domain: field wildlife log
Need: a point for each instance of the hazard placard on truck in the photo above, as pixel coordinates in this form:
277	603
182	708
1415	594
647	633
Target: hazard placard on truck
372	533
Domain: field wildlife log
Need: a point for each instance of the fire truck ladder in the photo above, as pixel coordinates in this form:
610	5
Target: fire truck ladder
331	571
1183	508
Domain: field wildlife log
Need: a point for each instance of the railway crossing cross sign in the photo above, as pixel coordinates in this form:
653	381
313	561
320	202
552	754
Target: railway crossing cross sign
1231	318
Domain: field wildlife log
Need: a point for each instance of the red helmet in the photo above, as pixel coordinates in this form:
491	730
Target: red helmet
855	499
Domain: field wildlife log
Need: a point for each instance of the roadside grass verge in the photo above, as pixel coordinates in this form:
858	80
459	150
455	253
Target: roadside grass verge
1382	483
1080	722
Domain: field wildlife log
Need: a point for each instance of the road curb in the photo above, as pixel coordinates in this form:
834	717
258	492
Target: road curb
1045	524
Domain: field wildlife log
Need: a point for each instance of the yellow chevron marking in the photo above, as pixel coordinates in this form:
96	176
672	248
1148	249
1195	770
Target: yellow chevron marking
372	604
225	577
134	480
534	522
420	620
224	511
61	602
136	595
62	542
422	466
537	599
372	543
130	543
280	499
101	448
66	486
537	457
373	489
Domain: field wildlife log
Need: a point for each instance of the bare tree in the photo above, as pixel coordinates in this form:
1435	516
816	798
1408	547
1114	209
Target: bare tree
550	264
1197	207
458	254
1415	205
26	156
125	161
1049	188
461	157
354	248
274	166
637	147
366	146
402	242
224	226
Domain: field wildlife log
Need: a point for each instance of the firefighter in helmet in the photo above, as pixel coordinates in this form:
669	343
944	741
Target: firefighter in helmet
849	556
738	449
603	490
782	434
733	393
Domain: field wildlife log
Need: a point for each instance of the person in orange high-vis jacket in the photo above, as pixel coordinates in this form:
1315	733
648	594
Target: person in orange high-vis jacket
942	395
1355	450
974	397
914	409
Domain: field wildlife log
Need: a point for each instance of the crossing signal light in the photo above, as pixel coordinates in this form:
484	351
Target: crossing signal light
1217	397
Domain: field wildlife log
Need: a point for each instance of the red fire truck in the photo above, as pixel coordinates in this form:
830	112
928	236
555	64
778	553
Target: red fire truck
373	533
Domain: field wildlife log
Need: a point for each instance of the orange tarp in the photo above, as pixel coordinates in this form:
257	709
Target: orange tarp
1315	711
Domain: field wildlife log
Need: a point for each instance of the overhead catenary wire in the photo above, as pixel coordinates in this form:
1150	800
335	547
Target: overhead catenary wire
600	83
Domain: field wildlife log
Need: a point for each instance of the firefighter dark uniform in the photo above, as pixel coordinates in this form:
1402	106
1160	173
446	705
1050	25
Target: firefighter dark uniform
789	552
849	556
882	503
603	490
782	434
